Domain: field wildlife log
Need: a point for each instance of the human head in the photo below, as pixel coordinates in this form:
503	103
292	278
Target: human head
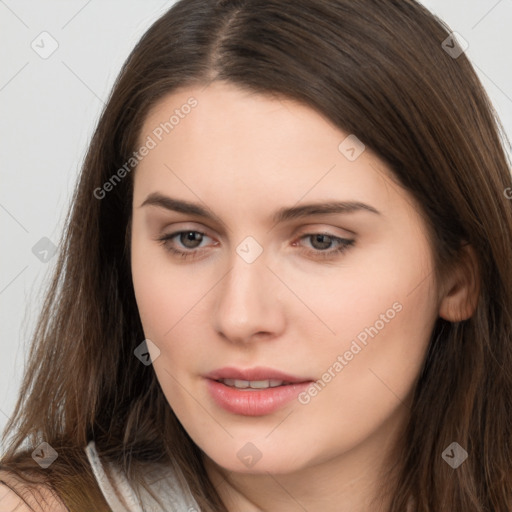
347	61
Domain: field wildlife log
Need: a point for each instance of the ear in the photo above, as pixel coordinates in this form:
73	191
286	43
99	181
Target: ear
461	287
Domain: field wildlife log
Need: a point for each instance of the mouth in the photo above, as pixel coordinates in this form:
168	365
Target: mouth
256	377
253	392
253	385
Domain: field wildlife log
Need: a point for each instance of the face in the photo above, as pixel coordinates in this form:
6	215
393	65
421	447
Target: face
237	276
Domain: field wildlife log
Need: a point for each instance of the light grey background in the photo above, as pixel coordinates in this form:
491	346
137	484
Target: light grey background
49	107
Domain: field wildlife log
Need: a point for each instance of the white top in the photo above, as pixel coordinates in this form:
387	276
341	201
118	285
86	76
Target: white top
164	484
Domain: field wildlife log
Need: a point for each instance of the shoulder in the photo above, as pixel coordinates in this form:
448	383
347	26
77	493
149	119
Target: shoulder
19	496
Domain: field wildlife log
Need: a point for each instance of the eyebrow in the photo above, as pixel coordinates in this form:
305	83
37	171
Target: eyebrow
281	215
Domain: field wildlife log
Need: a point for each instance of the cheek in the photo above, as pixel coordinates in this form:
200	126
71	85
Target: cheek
159	294
364	287
383	314
171	303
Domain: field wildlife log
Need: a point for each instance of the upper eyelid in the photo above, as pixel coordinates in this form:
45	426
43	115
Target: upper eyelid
299	231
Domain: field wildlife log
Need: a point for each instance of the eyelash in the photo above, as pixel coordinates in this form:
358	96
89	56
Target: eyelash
344	245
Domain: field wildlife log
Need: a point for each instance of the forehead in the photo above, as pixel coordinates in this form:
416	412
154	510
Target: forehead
224	112
222	143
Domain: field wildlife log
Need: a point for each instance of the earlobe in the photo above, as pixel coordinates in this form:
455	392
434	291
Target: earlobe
462	289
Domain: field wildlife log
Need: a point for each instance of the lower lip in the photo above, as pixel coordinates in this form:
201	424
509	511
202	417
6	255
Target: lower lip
253	403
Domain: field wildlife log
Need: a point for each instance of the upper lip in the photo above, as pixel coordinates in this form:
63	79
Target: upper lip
254	374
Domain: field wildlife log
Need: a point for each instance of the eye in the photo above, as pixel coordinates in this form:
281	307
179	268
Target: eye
322	241
189	240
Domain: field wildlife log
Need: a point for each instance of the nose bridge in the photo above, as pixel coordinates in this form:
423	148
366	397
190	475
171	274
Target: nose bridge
247	298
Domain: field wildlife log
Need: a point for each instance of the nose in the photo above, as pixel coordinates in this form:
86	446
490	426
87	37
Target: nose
249	302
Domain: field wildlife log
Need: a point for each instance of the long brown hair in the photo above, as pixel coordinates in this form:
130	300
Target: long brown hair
376	68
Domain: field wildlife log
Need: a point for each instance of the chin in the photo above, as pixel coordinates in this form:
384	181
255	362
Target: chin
250	460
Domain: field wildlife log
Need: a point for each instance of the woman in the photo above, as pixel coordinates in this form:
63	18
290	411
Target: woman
306	199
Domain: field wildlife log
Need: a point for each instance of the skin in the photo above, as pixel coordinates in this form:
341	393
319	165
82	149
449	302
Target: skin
243	156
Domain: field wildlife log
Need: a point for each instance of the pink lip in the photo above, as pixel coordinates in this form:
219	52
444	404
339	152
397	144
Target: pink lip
255	402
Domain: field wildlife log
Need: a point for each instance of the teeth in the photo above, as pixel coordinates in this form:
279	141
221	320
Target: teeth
252	384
